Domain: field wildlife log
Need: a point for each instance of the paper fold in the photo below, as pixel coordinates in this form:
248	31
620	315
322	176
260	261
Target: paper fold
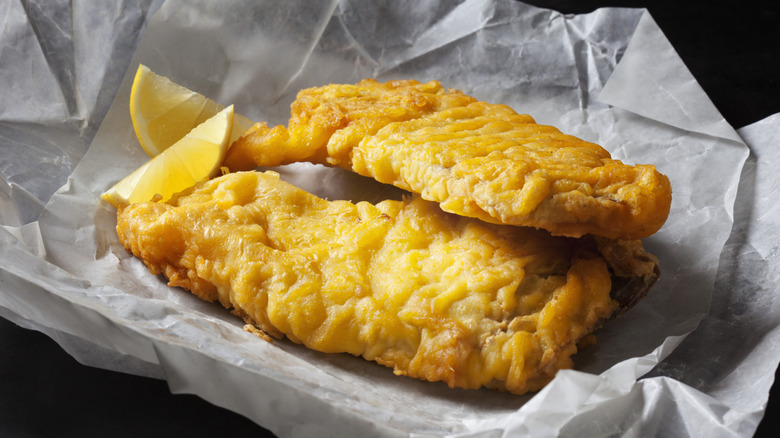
644	83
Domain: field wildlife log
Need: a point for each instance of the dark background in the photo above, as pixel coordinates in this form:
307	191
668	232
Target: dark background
731	48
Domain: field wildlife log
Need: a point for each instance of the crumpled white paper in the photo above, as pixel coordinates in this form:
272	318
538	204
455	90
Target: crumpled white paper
610	77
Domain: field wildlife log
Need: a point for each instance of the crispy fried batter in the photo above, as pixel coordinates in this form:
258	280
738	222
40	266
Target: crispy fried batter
433	295
476	159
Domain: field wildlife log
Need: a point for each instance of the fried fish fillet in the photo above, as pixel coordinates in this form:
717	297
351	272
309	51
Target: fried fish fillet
435	296
476	159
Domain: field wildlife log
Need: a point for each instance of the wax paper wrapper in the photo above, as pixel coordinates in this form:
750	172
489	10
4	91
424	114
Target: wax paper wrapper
609	77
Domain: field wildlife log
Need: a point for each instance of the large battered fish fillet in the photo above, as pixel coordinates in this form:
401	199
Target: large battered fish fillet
476	159
435	296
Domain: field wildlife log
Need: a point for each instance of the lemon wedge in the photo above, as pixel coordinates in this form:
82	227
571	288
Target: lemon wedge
197	156
163	111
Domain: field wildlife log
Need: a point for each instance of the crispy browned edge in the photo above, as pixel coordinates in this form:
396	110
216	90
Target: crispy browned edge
628	291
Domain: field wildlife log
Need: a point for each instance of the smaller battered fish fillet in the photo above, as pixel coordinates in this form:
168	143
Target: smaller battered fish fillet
435	296
476	159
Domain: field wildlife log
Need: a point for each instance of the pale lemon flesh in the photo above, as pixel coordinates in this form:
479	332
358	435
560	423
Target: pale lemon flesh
195	157
163	112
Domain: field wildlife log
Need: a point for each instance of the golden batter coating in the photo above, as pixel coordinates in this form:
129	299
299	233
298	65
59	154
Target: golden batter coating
433	295
476	159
